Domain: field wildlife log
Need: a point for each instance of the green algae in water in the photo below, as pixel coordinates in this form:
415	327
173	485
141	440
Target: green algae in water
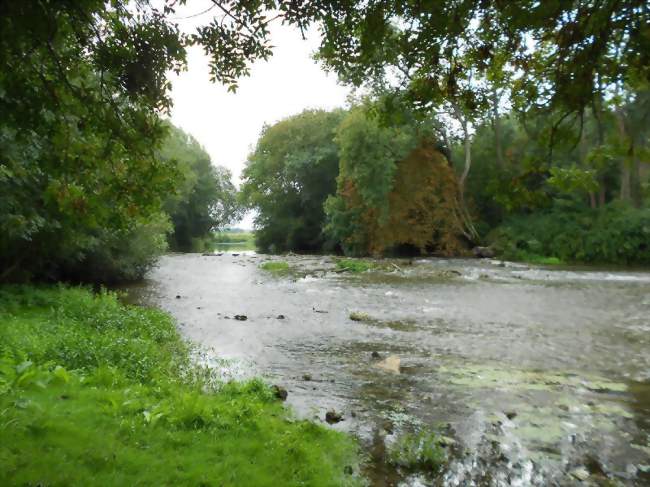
404	325
567	413
506	378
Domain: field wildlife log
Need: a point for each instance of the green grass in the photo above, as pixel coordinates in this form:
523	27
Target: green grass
96	393
529	258
233	237
233	241
277	266
355	265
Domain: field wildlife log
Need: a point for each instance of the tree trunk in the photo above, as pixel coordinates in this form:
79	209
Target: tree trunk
602	194
467	145
592	200
497	128
472	234
635	182
625	193
584	149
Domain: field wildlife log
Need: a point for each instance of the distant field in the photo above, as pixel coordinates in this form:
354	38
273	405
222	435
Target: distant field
234	240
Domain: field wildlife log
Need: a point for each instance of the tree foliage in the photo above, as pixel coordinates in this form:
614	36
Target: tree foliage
80	87
564	53
394	188
205	199
287	178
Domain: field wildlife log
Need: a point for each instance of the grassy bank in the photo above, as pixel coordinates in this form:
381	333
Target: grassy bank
96	393
233	241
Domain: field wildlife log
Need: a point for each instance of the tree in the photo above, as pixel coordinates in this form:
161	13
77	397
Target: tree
81	84
394	188
562	51
205	198
287	178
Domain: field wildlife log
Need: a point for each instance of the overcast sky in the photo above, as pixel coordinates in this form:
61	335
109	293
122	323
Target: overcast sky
228	124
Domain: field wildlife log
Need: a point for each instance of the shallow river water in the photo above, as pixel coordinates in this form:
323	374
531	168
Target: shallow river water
537	376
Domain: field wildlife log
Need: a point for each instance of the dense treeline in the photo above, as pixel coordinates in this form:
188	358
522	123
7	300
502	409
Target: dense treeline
87	164
288	177
205	199
71	235
563	86
584	196
342	181
366	184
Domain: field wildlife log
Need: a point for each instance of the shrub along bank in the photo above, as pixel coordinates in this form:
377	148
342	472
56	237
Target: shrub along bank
93	392
614	234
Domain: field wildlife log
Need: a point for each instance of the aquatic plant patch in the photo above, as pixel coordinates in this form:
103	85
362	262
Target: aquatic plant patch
355	265
277	266
418	451
397	325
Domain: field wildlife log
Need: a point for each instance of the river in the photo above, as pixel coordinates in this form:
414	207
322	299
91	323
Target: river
538	376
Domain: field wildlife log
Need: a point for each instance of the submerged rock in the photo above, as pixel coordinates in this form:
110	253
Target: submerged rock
333	416
280	392
357	316
447	273
580	473
390	364
306	376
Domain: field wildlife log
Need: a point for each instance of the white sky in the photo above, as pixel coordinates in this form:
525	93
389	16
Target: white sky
228	124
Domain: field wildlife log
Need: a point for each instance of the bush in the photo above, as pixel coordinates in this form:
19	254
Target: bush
614	234
120	256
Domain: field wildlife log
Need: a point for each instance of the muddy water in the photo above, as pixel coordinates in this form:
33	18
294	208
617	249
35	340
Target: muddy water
539	376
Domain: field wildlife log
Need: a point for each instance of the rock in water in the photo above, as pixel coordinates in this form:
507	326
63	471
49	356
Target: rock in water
390	364
332	416
483	252
280	392
241	317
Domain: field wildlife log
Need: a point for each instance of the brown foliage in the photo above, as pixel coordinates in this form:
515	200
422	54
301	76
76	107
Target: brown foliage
423	206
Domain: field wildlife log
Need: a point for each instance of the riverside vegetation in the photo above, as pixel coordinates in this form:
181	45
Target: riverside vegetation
96	392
